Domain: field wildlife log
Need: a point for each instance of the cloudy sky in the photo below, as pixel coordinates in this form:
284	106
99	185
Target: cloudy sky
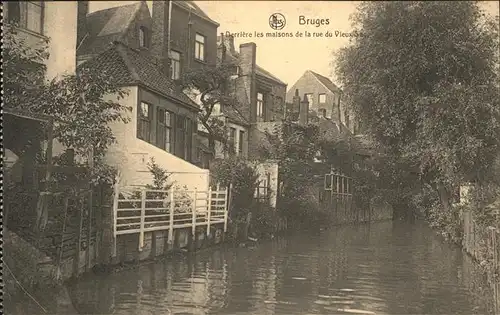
287	58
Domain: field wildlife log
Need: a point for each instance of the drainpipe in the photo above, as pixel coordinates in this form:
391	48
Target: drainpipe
169	27
188	54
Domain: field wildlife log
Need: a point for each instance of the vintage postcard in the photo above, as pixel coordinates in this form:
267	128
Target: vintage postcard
251	157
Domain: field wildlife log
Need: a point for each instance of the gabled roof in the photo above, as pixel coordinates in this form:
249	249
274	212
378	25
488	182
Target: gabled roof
191	5
129	67
325	81
263	72
106	26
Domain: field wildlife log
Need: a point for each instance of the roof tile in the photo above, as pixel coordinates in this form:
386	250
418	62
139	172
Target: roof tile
129	67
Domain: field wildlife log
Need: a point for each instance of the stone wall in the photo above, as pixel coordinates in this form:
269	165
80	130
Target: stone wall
156	243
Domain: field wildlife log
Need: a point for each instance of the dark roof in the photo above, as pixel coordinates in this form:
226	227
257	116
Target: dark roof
325	81
234	116
129	67
263	72
106	26
191	5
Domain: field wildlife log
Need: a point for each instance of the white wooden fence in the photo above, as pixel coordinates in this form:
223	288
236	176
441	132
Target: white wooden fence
137	211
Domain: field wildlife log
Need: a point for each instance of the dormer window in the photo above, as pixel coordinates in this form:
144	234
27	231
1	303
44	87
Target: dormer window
143	37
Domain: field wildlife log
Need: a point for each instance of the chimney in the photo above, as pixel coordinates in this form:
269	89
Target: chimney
304	111
247	67
222	47
81	30
160	38
296	106
229	43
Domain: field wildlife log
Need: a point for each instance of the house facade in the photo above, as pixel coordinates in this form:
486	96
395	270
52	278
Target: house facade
260	94
42	20
324	98
37	22
163	121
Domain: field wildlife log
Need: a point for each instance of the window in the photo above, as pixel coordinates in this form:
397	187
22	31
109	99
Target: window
143	37
144	122
13	12
232	140
199	47
310	99
28	14
322	98
240	142
260	105
164	129
175	65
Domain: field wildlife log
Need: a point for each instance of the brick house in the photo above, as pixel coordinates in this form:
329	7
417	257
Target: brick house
260	94
324	97
164	119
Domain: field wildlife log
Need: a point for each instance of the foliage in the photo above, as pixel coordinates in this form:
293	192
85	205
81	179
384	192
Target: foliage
423	77
161	191
243	179
295	147
76	101
211	86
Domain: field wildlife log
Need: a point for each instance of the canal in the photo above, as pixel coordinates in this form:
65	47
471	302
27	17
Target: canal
382	268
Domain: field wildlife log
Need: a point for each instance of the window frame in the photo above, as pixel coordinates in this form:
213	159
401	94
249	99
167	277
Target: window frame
241	136
164	129
141	121
319	98
260	105
310	99
145	42
174	62
199	47
23	7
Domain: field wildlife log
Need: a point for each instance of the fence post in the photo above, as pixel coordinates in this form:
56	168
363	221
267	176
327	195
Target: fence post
209	207
226	206
193	213
143	219
171	216
116	196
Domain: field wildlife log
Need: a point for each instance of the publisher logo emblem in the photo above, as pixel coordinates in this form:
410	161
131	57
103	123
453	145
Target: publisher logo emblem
277	21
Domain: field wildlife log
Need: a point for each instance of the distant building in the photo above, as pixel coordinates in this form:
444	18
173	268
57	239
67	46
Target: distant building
325	99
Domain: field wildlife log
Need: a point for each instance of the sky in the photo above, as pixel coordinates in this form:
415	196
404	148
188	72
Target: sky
286	58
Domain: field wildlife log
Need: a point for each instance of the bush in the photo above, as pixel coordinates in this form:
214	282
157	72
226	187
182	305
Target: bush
243	177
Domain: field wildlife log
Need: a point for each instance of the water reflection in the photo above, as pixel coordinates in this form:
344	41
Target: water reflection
383	268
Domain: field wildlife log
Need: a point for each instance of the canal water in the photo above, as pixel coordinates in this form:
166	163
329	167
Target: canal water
382	268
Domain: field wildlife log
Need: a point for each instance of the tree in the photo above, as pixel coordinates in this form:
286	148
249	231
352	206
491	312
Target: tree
212	84
423	77
76	101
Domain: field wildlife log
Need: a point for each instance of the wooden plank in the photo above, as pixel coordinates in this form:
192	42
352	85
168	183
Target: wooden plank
209	212
143	213
172	210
